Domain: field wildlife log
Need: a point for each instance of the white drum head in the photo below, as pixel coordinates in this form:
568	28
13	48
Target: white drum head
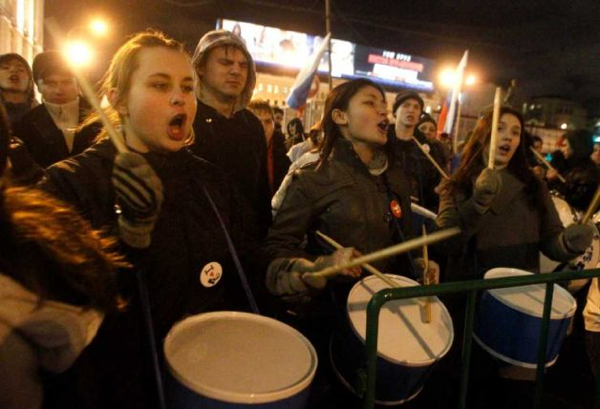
239	357
530	299
403	336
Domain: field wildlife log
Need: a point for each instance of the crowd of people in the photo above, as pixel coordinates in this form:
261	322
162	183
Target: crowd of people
206	205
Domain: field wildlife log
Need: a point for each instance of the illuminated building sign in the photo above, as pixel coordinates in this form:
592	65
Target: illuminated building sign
270	46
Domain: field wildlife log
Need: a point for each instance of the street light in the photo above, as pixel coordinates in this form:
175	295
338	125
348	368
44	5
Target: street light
99	27
77	49
78	53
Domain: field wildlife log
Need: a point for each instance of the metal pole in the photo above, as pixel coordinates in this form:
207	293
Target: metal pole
543	346
466	351
328	30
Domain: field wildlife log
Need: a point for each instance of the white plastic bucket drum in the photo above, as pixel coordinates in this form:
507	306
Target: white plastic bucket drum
238	360
407	347
567	216
508	320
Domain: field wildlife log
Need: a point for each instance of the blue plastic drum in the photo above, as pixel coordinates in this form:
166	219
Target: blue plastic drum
508	320
238	360
407	347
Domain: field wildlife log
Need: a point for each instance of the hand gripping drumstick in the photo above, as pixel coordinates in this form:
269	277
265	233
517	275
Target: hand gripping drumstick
592	207
367	266
495	120
89	94
548	165
385	253
433	161
427	319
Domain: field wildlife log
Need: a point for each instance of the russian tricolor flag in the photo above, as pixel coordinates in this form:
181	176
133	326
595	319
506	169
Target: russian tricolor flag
447	117
301	87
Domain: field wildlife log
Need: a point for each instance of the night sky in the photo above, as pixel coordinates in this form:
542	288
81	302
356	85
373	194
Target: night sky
549	47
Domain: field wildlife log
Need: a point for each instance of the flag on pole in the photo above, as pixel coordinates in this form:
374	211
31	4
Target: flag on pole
447	118
301	87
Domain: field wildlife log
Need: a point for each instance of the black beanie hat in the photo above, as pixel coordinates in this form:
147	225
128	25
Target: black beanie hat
403	96
582	143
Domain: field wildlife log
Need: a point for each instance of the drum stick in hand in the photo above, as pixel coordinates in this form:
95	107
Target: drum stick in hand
547	164
367	266
387	252
592	207
427	319
495	120
89	93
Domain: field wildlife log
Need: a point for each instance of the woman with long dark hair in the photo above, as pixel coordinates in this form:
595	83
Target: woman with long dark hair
506	215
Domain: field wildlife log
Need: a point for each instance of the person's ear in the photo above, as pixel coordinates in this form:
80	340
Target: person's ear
113	99
339	117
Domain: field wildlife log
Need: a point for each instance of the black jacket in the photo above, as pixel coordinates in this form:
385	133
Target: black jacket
423	175
114	371
344	201
281	163
45	141
237	145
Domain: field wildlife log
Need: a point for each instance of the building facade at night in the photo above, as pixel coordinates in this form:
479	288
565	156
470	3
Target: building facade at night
22	27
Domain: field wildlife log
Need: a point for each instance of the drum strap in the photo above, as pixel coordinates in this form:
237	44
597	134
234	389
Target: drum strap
391	197
234	255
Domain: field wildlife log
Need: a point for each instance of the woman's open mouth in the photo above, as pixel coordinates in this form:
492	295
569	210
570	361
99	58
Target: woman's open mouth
177	127
383	125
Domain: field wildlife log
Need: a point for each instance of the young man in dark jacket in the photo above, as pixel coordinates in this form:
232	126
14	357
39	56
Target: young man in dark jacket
423	175
49	130
228	134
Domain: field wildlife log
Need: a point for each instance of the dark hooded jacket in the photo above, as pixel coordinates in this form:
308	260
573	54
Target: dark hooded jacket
115	371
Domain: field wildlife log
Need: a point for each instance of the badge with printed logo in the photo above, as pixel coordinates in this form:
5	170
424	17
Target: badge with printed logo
396	209
211	274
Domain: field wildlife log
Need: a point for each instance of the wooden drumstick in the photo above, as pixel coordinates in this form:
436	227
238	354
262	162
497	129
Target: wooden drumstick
423	211
385	253
366	266
592	207
89	93
495	120
433	161
427	319
547	164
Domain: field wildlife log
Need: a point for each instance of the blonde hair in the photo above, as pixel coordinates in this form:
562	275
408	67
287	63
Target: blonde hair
120	72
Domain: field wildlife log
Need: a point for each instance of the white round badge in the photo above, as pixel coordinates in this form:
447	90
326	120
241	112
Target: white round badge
426	148
211	274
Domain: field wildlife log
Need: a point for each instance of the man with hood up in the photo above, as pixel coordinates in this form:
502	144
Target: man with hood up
228	134
16	86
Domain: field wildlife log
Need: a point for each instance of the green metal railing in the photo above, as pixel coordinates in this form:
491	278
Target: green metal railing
472	288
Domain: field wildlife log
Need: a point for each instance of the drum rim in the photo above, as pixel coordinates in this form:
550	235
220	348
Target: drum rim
240	397
419	364
509	360
557	288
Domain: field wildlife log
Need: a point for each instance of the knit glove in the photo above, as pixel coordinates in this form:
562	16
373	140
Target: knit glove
487	186
578	237
292	279
139	194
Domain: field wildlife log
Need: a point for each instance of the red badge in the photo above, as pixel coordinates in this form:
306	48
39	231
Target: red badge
396	209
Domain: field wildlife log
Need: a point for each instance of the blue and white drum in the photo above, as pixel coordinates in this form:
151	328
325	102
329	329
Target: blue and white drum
508	320
238	360
407	348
